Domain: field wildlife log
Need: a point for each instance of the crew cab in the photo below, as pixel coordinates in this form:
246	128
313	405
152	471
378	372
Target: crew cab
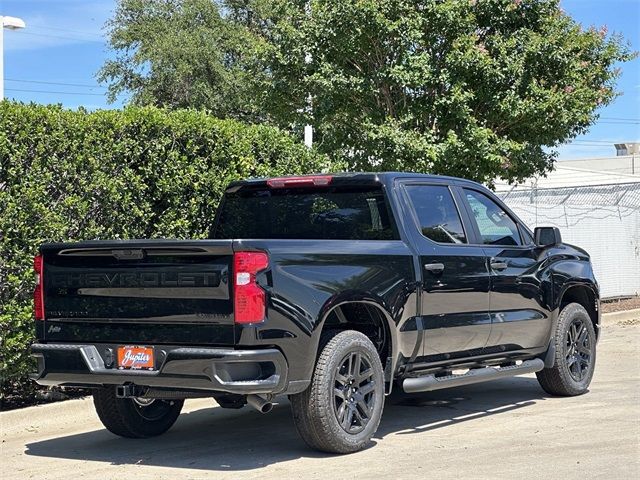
332	289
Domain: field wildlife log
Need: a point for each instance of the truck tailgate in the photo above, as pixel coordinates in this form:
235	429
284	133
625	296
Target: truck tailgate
139	292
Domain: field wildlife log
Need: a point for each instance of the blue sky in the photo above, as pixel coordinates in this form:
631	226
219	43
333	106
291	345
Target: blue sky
63	45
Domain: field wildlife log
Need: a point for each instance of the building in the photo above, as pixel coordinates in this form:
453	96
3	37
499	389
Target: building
623	149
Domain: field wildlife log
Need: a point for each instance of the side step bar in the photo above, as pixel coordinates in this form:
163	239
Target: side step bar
431	382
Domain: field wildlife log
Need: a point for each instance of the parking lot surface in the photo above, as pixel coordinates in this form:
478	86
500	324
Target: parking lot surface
504	429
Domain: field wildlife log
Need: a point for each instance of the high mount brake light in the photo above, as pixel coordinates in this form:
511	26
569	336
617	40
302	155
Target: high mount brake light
249	299
308	181
38	292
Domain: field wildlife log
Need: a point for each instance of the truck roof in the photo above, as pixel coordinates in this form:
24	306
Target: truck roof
360	178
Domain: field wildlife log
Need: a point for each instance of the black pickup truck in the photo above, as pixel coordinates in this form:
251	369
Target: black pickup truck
331	289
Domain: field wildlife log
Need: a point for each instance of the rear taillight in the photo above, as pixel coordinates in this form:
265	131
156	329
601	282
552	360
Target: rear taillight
306	181
248	298
38	293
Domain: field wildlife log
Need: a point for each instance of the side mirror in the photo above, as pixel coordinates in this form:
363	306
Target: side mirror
547	236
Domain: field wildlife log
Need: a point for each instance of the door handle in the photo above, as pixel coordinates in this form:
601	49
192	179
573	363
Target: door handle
498	265
434	267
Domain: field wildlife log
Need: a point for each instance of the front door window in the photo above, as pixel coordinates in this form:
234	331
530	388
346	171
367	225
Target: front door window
494	224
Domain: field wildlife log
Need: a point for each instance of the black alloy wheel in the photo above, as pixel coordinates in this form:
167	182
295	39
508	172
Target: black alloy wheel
341	409
578	349
354	393
574	353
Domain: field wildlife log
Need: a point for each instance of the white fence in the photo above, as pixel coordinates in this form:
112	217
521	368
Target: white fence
602	219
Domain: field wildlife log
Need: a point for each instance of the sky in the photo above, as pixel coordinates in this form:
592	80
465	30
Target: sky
55	60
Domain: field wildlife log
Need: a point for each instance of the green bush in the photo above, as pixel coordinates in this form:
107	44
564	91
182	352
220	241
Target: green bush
135	173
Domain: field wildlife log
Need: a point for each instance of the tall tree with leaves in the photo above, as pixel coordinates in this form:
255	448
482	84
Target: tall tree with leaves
474	88
189	53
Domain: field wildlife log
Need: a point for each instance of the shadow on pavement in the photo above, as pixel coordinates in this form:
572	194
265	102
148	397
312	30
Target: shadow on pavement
227	440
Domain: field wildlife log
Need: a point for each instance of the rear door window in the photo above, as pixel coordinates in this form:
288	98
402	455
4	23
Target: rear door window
436	213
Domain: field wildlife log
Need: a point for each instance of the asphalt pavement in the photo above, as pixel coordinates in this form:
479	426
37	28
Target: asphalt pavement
506	429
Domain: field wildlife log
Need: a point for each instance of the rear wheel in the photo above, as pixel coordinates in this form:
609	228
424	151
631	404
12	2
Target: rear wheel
341	409
575	354
135	417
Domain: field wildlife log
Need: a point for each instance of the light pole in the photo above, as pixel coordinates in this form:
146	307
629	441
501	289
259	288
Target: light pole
308	129
10	23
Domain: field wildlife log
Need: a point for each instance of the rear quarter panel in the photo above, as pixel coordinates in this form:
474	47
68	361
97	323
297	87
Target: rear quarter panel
306	279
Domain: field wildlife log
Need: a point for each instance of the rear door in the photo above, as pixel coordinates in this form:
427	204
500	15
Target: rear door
139	292
520	318
455	278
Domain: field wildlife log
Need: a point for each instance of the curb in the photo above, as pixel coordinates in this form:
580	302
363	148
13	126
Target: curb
621	316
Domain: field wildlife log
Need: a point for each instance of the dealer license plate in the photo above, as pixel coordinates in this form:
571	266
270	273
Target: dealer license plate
132	357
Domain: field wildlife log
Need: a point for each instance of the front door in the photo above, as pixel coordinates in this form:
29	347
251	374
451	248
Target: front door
454	309
520	318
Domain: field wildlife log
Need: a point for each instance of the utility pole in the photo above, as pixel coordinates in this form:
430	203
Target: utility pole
10	23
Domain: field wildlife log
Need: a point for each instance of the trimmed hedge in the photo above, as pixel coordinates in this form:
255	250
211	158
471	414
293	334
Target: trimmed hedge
133	173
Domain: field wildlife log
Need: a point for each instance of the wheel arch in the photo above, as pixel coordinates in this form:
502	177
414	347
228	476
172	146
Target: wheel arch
368	315
573	280
585	294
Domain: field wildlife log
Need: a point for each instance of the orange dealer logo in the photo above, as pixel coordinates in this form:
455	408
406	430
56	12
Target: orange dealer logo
135	357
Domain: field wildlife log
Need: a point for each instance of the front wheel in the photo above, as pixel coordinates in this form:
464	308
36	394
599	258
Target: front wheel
341	409
575	354
135	417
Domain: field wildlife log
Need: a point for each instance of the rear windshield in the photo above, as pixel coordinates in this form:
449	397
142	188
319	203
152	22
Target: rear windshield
334	213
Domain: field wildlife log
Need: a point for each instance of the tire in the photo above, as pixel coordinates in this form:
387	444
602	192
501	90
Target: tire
575	354
130	418
330	415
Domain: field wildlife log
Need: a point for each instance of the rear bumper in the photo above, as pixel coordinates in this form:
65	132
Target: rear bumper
215	369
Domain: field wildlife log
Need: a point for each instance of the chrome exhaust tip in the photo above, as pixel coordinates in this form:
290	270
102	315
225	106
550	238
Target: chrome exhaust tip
260	403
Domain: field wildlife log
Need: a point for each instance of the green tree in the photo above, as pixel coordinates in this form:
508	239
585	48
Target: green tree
479	89
188	53
474	88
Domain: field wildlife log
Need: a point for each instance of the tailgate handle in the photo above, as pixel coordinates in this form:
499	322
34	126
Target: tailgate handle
129	254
